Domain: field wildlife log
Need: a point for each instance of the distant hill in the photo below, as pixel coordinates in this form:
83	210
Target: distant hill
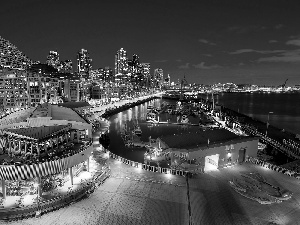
11	56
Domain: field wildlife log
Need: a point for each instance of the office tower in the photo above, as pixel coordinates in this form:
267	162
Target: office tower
145	72
84	64
158	77
121	67
11	56
66	66
53	60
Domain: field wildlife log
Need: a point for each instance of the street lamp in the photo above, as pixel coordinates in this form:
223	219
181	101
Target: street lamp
268	122
38	212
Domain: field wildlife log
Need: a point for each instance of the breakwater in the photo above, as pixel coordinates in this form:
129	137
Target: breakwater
278	139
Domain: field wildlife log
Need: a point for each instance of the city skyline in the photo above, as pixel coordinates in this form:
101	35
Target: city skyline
253	42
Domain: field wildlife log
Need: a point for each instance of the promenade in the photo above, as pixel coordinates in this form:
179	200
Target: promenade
135	196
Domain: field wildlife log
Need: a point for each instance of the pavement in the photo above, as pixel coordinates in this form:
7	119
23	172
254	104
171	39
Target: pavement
134	196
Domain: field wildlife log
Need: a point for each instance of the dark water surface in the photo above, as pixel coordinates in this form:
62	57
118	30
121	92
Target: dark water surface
285	108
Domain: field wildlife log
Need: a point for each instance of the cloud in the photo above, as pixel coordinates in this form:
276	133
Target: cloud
204	41
273	41
246	29
241	51
208	55
293	42
278	26
287	56
178	60
185	66
161	61
202	66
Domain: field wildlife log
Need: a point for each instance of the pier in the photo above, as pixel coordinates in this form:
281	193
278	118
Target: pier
279	139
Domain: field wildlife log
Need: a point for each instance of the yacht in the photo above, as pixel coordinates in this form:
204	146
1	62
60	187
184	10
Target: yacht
137	130
184	119
151	117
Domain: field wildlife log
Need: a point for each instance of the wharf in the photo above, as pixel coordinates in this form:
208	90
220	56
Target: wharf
166	122
279	139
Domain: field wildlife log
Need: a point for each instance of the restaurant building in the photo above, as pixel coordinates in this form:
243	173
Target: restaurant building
41	142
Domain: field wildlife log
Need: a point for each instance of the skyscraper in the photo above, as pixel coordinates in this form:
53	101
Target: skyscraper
121	66
53	59
158	77
146	73
84	64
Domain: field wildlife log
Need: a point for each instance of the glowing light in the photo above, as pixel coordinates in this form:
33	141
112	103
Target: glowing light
168	174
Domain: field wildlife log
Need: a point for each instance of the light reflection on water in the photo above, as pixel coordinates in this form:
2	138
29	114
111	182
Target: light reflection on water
286	116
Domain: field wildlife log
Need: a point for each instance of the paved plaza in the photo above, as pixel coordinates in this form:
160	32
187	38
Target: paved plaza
135	196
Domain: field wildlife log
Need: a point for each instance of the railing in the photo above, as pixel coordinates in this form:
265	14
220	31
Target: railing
54	203
143	166
271	166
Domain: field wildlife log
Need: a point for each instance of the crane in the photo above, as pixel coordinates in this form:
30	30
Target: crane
283	86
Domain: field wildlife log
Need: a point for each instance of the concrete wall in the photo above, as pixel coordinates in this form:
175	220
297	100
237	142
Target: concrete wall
250	145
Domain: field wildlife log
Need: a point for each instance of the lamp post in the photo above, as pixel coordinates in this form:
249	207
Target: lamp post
268	122
38	212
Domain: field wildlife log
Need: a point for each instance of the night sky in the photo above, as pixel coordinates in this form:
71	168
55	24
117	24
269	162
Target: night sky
208	41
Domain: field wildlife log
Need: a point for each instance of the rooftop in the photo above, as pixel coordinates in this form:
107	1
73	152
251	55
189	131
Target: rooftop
63	113
74	105
200	138
39	133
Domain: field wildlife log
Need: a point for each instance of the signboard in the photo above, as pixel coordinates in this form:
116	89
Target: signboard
212	162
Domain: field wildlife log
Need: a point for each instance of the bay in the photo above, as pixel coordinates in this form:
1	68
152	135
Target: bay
285	107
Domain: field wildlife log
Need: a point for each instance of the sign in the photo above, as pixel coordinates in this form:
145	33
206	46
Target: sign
212	162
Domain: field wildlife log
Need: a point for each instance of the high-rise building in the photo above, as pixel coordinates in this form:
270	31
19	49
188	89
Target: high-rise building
121	67
53	60
108	74
84	64
158	77
27	89
66	66
11	56
145	67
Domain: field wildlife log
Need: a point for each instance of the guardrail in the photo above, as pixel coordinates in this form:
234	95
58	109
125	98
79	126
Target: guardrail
271	166
143	166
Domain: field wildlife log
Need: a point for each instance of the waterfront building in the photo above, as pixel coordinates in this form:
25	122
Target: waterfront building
73	90
39	145
22	90
209	149
84	64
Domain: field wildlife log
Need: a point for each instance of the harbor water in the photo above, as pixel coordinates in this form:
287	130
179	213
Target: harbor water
285	108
